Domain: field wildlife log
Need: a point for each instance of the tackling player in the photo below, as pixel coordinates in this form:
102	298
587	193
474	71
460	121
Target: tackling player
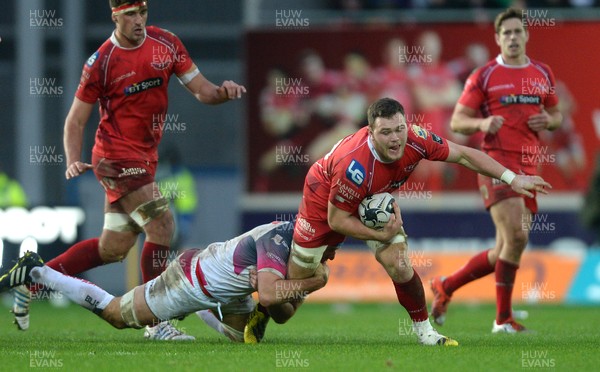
516	98
380	158
128	76
216	278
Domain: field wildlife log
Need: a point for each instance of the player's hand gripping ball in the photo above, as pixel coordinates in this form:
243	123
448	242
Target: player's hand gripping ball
375	210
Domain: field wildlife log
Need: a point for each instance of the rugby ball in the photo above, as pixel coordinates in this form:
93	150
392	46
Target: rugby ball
375	210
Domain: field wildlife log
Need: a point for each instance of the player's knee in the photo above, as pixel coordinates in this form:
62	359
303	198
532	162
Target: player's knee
114	252
518	239
112	314
128	316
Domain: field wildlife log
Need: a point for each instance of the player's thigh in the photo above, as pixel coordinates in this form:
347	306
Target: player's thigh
236	312
142	310
171	295
511	218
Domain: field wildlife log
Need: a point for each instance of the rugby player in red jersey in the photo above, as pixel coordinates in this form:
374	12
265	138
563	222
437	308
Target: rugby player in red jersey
516	98
128	76
380	158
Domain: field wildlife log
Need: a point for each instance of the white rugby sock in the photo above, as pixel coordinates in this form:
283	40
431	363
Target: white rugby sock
213	322
77	290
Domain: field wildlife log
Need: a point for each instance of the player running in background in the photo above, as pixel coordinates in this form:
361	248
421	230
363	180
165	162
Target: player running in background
379	158
216	278
517	100
129	76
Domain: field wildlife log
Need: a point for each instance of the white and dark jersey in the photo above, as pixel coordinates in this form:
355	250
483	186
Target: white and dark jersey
226	265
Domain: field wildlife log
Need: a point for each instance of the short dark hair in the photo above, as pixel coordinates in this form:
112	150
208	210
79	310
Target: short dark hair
118	3
508	14
383	108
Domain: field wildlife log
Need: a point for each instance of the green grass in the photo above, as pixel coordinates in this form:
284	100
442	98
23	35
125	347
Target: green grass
358	337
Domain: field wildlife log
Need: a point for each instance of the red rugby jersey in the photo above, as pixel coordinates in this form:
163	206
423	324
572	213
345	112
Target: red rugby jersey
351	171
515	93
131	86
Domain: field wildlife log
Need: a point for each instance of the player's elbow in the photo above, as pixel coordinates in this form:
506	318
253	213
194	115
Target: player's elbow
280	319
455	125
267	298
334	223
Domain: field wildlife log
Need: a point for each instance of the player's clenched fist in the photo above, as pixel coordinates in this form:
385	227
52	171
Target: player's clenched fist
231	90
492	124
77	168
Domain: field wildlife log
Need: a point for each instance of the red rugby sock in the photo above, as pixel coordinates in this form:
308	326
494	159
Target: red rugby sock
505	279
154	260
412	297
77	259
477	267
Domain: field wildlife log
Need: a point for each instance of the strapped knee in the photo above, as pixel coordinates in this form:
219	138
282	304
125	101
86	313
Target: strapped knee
120	222
128	310
149	210
308	258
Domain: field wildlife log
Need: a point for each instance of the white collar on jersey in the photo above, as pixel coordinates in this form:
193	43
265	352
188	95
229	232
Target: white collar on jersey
374	152
113	39
501	62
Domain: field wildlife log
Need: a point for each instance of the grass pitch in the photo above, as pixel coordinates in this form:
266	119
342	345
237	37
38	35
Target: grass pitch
323	337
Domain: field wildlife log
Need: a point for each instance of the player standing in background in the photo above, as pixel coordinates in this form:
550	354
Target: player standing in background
379	158
128	75
517	100
218	278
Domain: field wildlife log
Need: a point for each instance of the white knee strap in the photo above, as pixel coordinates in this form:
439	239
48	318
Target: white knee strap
308	258
128	310
120	222
149	210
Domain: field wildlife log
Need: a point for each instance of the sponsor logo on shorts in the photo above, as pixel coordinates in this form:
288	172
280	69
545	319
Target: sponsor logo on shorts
143	86
305	226
125	172
522	99
355	172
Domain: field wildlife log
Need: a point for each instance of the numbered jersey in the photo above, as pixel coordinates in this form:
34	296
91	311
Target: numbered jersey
351	171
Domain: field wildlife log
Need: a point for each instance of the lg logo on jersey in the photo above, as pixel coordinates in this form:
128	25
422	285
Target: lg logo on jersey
355	173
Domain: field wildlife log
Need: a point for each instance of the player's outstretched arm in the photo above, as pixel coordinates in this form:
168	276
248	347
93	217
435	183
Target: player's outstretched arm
209	93
482	163
75	123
